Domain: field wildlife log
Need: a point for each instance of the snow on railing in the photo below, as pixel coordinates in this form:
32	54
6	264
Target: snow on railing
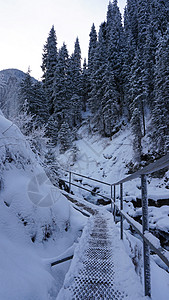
149	240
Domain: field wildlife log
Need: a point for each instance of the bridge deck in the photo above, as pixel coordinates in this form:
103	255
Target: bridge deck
101	268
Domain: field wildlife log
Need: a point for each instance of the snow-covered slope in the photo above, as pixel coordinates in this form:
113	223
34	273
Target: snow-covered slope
36	222
109	160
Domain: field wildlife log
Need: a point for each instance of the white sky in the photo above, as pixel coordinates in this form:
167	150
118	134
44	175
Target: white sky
25	25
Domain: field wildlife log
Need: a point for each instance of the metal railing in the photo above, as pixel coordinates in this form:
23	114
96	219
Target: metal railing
149	240
70	183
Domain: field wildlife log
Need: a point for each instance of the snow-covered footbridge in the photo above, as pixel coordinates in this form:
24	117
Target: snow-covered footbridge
101	267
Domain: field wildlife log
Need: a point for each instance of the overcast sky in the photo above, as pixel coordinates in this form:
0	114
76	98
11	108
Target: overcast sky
25	25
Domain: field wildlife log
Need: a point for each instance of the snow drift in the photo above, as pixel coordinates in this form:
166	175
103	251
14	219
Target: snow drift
36	221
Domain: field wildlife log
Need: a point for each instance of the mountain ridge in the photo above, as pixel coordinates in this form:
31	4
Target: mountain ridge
10	80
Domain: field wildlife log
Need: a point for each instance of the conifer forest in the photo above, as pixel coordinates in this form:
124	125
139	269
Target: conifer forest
124	81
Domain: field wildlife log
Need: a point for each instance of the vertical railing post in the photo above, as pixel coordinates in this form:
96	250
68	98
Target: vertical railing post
145	226
111	195
121	208
70	175
114	204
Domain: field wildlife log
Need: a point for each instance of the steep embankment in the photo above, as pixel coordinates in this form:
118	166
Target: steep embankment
36	222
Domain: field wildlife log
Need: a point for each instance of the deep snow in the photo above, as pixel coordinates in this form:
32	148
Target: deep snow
37	223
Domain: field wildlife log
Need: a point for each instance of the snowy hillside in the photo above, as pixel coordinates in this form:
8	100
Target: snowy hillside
110	161
36	222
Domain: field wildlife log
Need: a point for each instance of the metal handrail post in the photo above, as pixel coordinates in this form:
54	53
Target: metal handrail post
145	227
111	197
114	204
70	175
121	208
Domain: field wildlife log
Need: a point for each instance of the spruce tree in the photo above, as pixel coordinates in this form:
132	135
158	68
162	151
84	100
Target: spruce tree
131	28
32	92
60	100
92	48
65	137
110	105
49	62
75	111
137	106
74	87
131	41
52	130
139	59
40	109
26	93
76	69
137	135
115	48
85	85
51	166
160	114
97	79
160	16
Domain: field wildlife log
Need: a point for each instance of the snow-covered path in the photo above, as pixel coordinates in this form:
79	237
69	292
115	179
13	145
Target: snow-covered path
101	268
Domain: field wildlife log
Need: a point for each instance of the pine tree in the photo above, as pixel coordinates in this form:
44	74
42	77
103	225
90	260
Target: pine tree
26	93
115	47
51	166
65	137
143	17
74	87
137	106
160	16
160	114
139	85
69	78
49	62
92	48
110	105
85	85
32	92
76	69
131	28
131	42
60	97
97	79
136	130
106	96
40	109
146	48
149	68
52	130
75	111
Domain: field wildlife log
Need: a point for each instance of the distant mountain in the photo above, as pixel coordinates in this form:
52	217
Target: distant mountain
10	80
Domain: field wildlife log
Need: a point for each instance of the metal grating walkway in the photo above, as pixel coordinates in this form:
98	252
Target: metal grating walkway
96	270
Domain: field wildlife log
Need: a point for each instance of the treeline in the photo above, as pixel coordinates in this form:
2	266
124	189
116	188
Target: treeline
126	79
